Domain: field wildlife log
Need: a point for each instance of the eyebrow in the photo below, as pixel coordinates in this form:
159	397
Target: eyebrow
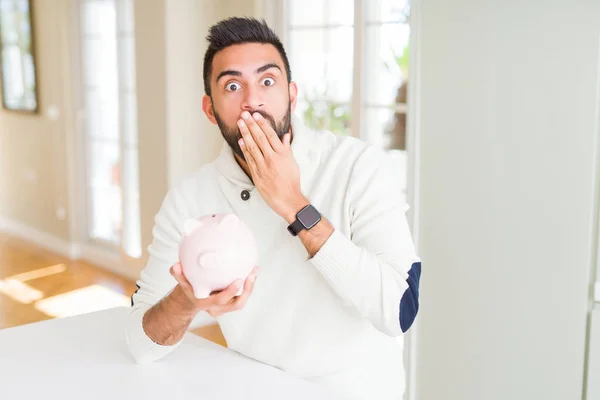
231	72
266	67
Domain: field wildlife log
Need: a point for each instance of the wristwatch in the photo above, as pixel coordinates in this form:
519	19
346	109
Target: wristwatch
305	219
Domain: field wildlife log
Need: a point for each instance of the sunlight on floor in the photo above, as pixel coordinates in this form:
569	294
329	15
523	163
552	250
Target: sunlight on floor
40	273
81	301
16	288
19	291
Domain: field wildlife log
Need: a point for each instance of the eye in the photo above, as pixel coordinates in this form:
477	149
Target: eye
232	86
268	81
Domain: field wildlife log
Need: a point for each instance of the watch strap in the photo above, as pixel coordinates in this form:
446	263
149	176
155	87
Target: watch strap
295	227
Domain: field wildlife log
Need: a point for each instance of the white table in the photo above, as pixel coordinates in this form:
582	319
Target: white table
86	357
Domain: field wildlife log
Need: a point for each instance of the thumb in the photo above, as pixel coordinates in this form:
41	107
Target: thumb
176	269
179	275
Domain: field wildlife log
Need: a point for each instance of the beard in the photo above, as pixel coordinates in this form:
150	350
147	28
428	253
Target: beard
232	134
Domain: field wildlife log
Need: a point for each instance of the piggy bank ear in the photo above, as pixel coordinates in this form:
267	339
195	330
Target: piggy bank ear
190	226
208	260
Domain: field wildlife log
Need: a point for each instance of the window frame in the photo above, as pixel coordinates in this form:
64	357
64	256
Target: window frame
127	248
275	14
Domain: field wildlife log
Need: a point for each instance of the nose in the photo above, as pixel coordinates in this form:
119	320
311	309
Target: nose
253	100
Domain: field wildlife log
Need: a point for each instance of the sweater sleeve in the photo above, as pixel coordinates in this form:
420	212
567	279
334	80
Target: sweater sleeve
376	269
155	281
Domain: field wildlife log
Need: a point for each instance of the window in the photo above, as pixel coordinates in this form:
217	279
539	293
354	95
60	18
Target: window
17	70
350	59
109	96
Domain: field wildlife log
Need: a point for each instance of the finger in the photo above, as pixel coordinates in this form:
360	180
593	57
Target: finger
270	136
249	159
177	273
253	274
250	143
259	136
237	302
287	140
224	296
240	301
214	312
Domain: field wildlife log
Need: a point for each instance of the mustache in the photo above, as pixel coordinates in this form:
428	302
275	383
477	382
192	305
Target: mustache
266	116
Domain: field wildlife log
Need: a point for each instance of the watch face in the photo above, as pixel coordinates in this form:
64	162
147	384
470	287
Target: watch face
309	217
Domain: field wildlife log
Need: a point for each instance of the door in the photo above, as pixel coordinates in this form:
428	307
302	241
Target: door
109	127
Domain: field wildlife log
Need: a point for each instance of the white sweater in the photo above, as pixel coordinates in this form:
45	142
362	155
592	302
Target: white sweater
336	319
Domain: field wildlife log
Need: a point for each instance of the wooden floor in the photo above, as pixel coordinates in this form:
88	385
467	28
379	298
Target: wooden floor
36	285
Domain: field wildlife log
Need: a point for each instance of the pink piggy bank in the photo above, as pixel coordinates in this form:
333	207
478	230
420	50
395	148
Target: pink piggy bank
216	250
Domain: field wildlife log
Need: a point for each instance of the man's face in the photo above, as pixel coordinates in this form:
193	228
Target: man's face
249	77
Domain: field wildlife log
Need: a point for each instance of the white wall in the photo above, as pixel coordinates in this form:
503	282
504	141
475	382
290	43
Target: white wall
593	385
192	140
238	8
150	46
176	138
508	118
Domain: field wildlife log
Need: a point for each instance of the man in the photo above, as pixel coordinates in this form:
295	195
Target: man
339	276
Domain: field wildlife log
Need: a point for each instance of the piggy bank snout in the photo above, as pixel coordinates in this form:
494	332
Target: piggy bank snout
208	260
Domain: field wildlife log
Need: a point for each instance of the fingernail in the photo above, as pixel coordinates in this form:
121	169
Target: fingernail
241	123
241	142
245	115
257	116
252	278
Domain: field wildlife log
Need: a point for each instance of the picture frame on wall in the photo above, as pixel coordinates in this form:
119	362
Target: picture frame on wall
17	57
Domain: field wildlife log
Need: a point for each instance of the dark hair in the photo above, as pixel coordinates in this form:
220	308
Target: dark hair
239	30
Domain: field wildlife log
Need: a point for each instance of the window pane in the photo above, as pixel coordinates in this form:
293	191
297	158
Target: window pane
386	51
8	25
384	127
98	17
100	45
100	61
339	68
104	164
102	114
339	12
307	59
387	10
306	12
321	115
19	69
104	190
106	215
322	63
91	63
